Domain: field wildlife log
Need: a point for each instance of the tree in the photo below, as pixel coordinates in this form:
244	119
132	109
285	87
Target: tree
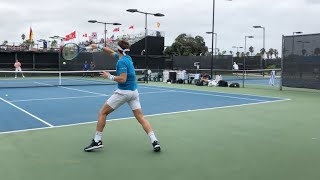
317	51
238	54
54	44
271	52
251	50
224	53
242	54
247	54
262	51
231	52
185	45
304	52
276	53
268	55
5	42
23	36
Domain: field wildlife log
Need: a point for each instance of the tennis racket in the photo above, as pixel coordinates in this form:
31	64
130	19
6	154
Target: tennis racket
71	50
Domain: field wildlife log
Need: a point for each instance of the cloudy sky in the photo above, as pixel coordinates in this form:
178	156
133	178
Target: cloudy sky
233	20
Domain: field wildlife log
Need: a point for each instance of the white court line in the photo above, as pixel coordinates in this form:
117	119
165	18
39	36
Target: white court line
79	97
233	97
73	89
46	99
39	119
84	91
161	114
238	94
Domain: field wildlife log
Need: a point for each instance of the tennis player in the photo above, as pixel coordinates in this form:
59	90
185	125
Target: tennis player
126	93
17	66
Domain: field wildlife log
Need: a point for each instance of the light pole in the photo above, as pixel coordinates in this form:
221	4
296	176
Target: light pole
264	43
299	32
146	34
212	32
105	28
244	57
215	50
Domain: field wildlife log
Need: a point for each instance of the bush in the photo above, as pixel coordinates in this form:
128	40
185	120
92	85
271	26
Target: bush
272	66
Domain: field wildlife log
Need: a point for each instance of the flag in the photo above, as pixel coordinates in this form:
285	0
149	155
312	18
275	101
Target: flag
85	35
131	27
158	24
116	30
73	35
31	35
110	39
94	35
70	36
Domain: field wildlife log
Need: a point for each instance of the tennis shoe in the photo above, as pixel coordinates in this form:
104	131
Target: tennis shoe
156	146
94	145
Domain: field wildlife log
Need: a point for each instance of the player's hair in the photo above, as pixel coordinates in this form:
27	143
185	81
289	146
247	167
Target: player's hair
124	45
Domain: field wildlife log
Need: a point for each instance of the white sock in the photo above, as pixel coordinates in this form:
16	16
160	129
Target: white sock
98	136
152	136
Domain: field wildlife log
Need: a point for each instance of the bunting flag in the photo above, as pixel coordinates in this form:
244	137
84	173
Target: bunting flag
94	35
70	36
158	24
85	35
31	35
110	39
131	27
116	30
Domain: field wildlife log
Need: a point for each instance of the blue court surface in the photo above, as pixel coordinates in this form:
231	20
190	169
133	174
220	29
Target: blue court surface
46	107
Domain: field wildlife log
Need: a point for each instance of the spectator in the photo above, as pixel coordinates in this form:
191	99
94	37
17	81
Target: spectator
85	68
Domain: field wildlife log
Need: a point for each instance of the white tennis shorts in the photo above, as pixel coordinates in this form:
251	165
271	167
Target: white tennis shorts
18	69
124	96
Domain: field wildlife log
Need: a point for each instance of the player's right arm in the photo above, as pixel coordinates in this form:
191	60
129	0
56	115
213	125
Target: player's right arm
109	51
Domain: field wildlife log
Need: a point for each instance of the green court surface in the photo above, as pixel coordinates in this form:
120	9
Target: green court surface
274	141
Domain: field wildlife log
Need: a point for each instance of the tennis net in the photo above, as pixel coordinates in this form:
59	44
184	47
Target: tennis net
12	79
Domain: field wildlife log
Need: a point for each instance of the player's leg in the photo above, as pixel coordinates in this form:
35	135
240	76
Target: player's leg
134	104
21	71
15	73
115	101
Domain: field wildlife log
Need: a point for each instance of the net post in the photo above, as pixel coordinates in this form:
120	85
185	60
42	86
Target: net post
60	78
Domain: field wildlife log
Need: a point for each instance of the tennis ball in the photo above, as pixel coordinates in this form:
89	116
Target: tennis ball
6	94
64	63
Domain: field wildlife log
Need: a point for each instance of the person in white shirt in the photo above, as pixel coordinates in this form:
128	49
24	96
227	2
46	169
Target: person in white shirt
17	66
235	67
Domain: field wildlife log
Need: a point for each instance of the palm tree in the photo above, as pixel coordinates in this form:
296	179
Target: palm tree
304	52
271	52
251	50
276	53
262	51
268	55
317	51
54	44
224	53
23	36
5	42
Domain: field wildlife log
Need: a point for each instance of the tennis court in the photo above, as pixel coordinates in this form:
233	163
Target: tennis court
205	133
